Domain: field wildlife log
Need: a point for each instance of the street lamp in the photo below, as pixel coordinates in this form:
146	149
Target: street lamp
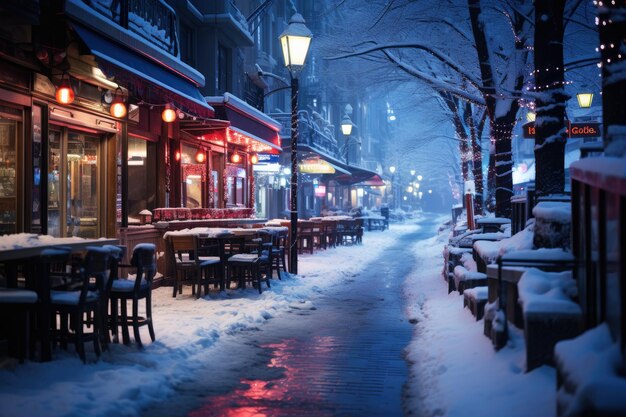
392	169
346	129
295	41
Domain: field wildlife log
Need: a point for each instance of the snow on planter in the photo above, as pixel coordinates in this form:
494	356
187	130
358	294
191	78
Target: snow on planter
550	314
553	221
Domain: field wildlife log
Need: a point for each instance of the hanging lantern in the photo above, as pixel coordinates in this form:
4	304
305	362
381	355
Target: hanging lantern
235	158
169	114
118	108
254	159
584	100
65	94
200	156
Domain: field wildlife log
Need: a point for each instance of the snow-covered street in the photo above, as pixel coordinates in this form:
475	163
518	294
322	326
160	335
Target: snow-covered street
332	341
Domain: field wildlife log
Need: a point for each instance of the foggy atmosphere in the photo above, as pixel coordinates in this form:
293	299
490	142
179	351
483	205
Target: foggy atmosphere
264	208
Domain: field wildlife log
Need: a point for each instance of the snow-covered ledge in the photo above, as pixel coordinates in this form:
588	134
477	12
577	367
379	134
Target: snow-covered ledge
602	172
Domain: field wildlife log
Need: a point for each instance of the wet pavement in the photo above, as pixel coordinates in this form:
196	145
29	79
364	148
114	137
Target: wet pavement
342	358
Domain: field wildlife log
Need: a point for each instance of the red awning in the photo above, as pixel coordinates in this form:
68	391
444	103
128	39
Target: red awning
249	126
375	181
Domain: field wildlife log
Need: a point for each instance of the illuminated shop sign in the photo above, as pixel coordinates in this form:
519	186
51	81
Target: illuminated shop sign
575	130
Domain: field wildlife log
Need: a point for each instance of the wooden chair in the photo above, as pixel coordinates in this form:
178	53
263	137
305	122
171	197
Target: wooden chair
18	304
305	236
329	233
278	258
248	267
80	309
189	266
143	264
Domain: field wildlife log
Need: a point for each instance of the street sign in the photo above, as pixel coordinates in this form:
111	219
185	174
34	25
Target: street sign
575	130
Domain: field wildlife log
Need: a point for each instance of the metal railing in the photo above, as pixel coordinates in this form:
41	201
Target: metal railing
152	20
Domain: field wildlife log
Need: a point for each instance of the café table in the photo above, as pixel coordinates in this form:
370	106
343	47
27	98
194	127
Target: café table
373	222
20	249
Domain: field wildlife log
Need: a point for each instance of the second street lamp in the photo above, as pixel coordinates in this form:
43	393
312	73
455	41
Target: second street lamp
346	129
295	41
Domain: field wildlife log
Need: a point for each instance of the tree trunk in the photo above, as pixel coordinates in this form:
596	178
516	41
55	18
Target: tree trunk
550	126
501	121
501	132
476	132
612	28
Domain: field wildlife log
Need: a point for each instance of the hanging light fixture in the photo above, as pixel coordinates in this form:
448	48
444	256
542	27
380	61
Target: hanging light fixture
118	108
584	100
235	158
65	94
200	156
254	159
169	114
177	156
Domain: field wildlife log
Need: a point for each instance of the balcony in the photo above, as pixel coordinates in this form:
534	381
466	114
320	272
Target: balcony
145	27
313	131
226	16
152	20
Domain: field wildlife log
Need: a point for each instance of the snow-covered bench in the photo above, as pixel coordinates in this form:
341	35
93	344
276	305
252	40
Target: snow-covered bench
548	259
475	299
464	279
550	313
590	376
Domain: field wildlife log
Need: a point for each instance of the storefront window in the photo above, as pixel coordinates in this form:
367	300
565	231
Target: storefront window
235	187
141	178
194	173
36	226
8	176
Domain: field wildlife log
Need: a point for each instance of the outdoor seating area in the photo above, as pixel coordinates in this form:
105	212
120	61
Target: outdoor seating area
71	292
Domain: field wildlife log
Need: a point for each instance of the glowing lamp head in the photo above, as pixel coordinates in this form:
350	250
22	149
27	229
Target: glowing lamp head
254	159
200	157
65	94
584	100
118	109
235	158
392	169
177	155
346	125
295	41
168	115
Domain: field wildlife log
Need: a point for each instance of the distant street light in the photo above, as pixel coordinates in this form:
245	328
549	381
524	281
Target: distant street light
419	177
346	125
346	129
295	41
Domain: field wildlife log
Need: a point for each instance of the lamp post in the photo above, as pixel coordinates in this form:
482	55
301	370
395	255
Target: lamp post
346	129
295	41
392	169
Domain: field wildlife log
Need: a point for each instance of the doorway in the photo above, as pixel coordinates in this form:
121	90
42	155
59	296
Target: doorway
74	183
